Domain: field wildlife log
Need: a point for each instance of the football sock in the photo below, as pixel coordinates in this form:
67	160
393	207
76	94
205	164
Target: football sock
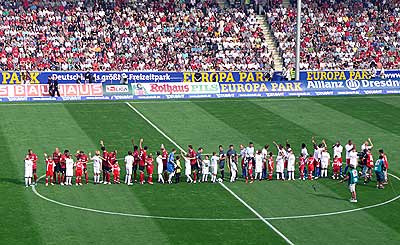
222	174
150	179
126	179
194	176
26	181
86	178
35	177
134	176
108	177
141	178
47	180
170	177
188	177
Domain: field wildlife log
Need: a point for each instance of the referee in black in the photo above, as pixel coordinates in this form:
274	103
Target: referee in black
53	86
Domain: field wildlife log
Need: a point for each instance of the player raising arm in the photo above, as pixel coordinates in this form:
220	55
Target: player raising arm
160	167
50	164
142	160
367	145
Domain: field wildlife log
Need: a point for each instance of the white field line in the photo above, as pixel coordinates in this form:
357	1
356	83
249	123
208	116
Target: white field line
223	185
211	219
222	100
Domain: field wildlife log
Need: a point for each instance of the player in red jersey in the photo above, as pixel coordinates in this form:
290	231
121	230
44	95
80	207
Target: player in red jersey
164	157
337	164
142	160
150	168
57	169
302	165
33	157
270	166
310	163
78	172
249	171
105	161
136	156
111	161
193	162
116	172
80	155
50	164
369	165
63	159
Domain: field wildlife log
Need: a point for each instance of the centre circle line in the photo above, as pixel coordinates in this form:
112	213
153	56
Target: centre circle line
213	219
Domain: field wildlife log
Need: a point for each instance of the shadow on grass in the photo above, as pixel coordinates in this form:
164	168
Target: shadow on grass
12	181
327	196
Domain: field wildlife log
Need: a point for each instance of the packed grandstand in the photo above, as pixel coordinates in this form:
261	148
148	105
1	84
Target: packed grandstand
196	34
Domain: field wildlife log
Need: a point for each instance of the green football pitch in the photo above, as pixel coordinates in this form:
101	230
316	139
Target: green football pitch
266	212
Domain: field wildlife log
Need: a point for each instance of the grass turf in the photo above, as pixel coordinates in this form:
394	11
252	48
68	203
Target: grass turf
28	219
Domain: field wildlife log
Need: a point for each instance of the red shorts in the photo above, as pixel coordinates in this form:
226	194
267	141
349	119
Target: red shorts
270	169
49	173
78	173
301	168
316	163
348	161
149	169
336	168
310	167
340	159
116	173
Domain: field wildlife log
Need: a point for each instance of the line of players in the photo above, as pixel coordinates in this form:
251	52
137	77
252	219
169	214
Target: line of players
255	164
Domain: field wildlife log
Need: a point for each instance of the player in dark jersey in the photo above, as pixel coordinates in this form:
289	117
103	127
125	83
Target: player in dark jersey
57	168
142	160
105	161
193	162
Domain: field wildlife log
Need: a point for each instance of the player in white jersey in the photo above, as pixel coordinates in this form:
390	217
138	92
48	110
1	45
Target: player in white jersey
348	148
69	165
97	160
234	169
28	171
291	165
214	167
160	167
337	154
367	145
129	160
188	168
205	168
325	158
353	157
264	154
259	164
280	165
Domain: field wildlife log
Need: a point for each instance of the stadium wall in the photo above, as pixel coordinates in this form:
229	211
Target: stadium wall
187	85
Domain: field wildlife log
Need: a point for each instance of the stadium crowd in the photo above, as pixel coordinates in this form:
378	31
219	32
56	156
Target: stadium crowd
129	35
198	166
339	34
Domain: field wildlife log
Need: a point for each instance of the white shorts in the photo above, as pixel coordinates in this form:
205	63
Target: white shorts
352	187
96	169
28	172
258	168
188	170
160	169
128	170
233	167
279	168
324	165
214	170
205	171
290	168
69	172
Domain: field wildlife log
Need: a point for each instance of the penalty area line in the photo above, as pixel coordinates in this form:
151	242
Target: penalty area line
222	184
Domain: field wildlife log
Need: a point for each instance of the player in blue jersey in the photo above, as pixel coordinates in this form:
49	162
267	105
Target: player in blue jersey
352	179
379	168
171	165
